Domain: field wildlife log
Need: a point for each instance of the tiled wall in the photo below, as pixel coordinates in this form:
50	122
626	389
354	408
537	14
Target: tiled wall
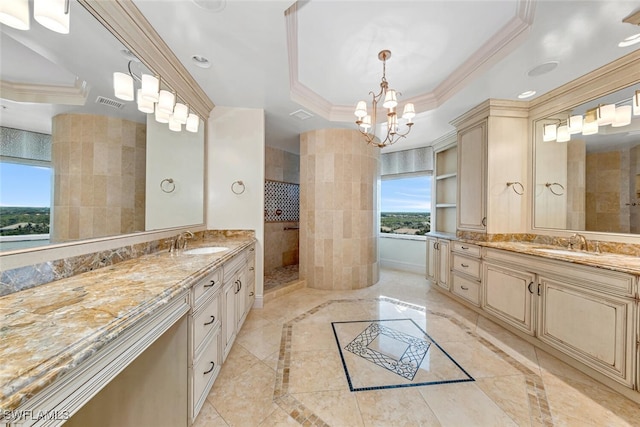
338	210
99	185
604	196
281	238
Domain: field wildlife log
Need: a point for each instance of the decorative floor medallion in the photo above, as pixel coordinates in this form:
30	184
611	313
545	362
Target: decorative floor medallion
398	346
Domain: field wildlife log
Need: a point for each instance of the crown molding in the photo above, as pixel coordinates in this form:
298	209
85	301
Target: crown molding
128	24
45	94
495	49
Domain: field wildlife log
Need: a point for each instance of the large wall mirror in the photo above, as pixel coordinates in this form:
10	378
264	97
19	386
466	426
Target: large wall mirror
67	143
589	179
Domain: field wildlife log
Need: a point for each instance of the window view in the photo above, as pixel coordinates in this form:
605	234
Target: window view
405	205
25	205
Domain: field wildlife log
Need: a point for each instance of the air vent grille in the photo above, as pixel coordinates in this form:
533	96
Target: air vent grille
110	102
301	114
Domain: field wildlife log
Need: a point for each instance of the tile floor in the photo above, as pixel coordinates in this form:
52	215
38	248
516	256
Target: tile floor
280	277
412	356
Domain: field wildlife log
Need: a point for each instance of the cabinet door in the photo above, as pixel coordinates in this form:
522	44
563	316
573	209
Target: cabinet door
472	177
443	263
229	323
508	295
432	252
241	300
595	328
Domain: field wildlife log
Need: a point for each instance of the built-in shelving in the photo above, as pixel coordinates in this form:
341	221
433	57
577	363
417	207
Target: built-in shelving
445	188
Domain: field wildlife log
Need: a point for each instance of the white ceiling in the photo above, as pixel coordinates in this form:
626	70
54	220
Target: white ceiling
321	56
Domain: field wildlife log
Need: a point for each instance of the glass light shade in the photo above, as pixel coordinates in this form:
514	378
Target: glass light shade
15	13
162	117
144	105
636	103
575	124
366	123
166	102
361	109
622	117
51	14
390	99
150	88
409	112
174	125
589	128
123	86
180	113
605	114
549	133
193	121
563	134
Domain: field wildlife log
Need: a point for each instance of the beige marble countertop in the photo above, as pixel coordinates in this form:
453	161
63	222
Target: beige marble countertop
48	330
610	261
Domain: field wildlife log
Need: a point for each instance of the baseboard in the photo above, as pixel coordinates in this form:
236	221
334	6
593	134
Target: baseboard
403	266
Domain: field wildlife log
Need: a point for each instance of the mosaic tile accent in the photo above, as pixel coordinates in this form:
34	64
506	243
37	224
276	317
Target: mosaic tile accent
409	361
281	201
25	144
538	403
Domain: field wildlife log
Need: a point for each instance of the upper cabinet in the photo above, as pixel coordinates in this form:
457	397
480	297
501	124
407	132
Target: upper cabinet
443	217
492	167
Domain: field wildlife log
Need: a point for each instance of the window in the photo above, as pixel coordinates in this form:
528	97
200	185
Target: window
25	205
405	205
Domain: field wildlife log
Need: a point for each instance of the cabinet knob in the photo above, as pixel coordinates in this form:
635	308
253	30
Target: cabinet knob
213	319
213	365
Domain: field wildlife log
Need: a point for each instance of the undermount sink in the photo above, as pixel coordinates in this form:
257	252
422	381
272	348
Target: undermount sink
565	252
206	250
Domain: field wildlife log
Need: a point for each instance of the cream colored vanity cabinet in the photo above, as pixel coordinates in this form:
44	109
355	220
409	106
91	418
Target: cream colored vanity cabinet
205	342
466	278
586	313
508	294
235	295
438	261
492	163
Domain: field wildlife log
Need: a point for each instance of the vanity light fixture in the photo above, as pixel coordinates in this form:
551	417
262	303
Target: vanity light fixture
150	87
161	117
15	14
575	124
180	113
549	133
590	123
636	103
174	124
605	114
166	102
193	121
144	106
622	116
52	14
563	134
389	98
123	86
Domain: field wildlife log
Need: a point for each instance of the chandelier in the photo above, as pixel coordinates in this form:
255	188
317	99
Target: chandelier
367	124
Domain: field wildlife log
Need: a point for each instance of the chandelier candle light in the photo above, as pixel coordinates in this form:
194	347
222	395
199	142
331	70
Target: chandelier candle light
390	102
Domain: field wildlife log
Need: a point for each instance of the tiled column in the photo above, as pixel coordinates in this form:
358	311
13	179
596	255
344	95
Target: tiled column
339	176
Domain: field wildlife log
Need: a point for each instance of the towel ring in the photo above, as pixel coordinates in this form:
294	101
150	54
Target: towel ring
169	186
514	185
550	185
239	184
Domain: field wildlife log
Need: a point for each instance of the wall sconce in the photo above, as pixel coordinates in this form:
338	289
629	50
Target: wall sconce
549	133
563	134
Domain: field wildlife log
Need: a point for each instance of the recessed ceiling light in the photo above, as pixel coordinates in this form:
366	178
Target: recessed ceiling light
212	5
631	40
543	69
527	94
201	61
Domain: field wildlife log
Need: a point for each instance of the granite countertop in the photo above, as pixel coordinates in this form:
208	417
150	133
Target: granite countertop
609	261
48	330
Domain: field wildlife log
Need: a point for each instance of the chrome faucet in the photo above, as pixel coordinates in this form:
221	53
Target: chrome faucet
578	239
180	241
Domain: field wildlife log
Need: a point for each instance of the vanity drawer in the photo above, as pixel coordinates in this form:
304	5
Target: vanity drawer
465	288
205	371
465	248
205	320
232	266
465	265
206	286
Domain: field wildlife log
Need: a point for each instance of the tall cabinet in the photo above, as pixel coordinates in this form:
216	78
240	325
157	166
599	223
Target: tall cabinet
492	167
445	186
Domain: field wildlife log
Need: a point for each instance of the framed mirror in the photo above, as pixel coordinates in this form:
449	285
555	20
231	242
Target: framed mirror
73	156
588	179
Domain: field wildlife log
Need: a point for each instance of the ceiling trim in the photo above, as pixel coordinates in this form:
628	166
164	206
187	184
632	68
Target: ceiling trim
496	48
45	94
128	24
